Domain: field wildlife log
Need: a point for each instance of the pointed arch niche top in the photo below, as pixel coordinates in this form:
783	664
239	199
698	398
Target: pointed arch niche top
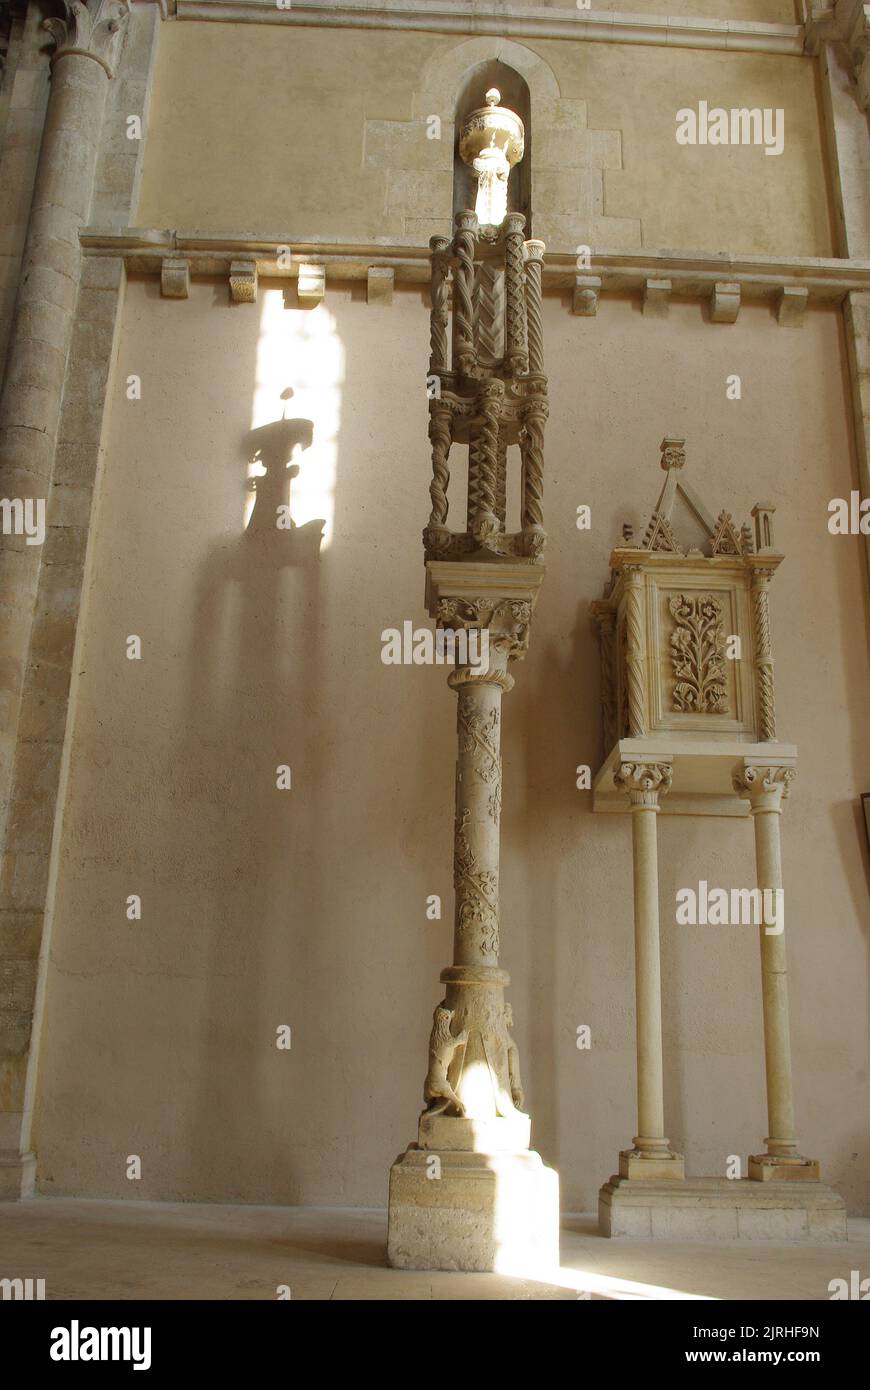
560	183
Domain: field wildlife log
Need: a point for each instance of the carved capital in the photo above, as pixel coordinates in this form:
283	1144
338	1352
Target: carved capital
90	28
644	783
764	784
507	620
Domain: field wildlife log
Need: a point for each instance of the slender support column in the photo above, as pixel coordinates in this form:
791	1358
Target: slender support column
766	786
651	1155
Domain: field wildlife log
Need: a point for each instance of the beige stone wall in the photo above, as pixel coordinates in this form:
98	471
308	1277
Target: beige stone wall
307	907
240	139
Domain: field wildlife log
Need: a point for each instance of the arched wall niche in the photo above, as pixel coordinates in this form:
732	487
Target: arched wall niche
515	94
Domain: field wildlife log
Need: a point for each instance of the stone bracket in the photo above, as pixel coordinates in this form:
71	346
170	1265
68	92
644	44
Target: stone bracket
725	301
311	284
657	298
175	278
243	281
587	288
380	282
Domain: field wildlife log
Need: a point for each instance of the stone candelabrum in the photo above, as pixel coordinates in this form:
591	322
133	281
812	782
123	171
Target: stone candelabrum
469	1194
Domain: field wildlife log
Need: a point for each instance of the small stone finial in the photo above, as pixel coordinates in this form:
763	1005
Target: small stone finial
493	97
627	532
763	512
673	452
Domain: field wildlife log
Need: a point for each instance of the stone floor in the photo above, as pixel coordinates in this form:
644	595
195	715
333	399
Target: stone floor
101	1250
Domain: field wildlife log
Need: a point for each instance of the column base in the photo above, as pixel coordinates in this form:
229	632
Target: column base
781	1168
486	1212
17	1175
712	1209
651	1165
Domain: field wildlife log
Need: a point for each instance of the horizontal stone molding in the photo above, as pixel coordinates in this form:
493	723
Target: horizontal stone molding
462	18
691	274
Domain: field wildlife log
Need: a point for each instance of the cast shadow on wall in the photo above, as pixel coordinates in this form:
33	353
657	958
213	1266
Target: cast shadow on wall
255	664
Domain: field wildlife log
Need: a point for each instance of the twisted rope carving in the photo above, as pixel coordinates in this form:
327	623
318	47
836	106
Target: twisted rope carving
515	298
532	449
440	315
463	308
501	482
534	315
764	659
440	435
634	655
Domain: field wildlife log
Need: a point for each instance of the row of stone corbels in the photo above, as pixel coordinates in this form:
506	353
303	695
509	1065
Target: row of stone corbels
244	278
725	297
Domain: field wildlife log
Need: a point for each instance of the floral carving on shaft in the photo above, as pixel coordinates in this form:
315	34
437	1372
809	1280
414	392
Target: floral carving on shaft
476	893
478	734
696	652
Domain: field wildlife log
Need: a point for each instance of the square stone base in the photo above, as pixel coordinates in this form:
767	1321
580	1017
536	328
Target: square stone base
669	1166
485	1212
709	1209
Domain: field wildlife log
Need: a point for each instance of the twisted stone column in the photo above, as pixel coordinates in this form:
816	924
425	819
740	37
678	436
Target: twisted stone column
440	313
440	437
516	354
763	656
87	44
534	251
766	785
464	356
651	1155
634	651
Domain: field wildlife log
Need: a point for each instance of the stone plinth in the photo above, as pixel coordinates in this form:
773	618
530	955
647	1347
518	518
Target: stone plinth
706	1209
485	1212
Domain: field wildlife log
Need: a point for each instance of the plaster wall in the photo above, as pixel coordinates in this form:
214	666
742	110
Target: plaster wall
306	907
324	135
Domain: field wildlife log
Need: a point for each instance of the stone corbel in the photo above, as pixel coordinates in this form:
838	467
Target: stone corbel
311	285
657	298
379	284
587	289
792	306
243	282
725	301
175	278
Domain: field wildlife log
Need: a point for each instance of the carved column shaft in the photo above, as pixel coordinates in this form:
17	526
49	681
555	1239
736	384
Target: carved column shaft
606	624
440	436
516	355
440	314
634	631
532	451
534	305
464	357
478	809
763	657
